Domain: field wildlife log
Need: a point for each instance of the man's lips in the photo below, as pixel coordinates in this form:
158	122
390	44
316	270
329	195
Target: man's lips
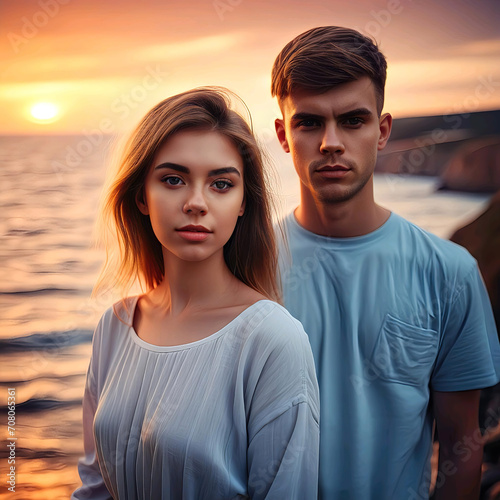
333	171
333	168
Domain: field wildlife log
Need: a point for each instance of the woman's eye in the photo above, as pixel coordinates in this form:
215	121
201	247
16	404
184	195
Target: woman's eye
172	181
222	185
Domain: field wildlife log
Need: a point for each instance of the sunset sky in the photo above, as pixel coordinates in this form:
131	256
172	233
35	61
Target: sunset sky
103	64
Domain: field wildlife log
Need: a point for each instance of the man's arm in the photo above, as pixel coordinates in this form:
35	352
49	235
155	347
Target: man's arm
460	445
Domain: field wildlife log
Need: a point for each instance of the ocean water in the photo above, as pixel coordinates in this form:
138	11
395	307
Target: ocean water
49	192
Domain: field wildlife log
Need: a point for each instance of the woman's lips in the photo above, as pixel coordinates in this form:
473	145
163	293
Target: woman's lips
194	233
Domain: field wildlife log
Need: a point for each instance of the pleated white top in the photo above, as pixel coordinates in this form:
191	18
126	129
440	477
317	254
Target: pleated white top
234	415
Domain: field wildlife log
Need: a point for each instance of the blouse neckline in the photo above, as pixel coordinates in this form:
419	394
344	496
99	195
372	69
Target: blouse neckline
180	347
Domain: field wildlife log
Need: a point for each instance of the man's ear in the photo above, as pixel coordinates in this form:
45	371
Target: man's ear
385	126
141	204
279	124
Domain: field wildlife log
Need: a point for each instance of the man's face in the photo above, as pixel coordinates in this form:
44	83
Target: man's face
333	139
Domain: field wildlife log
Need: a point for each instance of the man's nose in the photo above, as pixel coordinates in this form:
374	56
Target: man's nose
332	142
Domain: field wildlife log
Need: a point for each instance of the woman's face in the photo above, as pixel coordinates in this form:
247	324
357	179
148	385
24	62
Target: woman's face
194	194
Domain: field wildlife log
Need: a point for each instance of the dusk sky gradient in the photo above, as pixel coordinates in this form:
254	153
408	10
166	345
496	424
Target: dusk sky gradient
106	63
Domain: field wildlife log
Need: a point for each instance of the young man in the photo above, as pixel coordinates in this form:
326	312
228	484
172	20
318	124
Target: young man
399	320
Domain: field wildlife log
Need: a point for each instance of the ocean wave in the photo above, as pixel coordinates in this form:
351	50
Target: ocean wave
33	405
28	453
46	341
56	378
25	232
38	291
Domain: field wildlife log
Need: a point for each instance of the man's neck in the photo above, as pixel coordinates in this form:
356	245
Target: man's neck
341	220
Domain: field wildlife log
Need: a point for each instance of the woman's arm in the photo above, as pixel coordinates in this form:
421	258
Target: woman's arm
283	457
93	486
92	482
283	417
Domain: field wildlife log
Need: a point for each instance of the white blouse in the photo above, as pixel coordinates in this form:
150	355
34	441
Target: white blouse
233	415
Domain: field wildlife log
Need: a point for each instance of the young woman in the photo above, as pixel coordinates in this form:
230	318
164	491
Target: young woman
203	387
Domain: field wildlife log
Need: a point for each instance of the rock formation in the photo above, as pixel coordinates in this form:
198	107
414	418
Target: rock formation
474	167
482	238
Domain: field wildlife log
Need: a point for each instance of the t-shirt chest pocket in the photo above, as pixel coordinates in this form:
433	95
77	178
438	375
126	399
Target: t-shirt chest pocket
404	353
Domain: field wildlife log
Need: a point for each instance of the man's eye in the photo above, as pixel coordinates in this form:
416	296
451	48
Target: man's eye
352	122
308	123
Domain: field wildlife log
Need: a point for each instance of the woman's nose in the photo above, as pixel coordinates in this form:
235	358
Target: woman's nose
195	204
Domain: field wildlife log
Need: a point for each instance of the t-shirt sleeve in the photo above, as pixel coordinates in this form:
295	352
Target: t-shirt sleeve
93	486
469	355
283	423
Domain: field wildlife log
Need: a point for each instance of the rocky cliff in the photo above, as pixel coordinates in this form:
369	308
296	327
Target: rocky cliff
462	149
474	167
482	238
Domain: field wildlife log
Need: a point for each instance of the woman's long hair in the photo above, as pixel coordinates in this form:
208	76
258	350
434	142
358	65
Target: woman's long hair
250	253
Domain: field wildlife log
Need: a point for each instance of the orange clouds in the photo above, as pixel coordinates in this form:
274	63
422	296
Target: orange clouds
87	56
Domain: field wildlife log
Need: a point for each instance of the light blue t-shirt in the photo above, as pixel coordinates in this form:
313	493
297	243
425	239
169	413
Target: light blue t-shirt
390	315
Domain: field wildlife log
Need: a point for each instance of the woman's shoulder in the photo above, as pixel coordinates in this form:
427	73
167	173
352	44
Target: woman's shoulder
117	316
123	310
110	334
272	323
280	358
278	315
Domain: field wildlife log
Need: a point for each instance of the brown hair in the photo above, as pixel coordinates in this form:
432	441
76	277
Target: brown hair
250	253
322	58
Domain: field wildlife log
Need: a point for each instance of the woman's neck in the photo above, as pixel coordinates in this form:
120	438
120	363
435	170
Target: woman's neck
194	285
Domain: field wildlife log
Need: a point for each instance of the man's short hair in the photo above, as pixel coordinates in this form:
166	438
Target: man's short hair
321	58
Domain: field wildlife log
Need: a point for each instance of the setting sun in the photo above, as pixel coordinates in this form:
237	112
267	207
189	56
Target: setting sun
44	111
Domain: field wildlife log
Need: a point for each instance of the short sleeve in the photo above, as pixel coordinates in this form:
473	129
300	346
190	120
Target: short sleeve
283	457
93	486
283	422
469	355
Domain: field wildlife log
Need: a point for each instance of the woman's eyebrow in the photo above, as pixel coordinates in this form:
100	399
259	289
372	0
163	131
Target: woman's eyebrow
173	166
185	170
224	170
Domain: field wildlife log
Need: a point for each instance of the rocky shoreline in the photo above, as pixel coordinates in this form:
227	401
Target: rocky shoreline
463	150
